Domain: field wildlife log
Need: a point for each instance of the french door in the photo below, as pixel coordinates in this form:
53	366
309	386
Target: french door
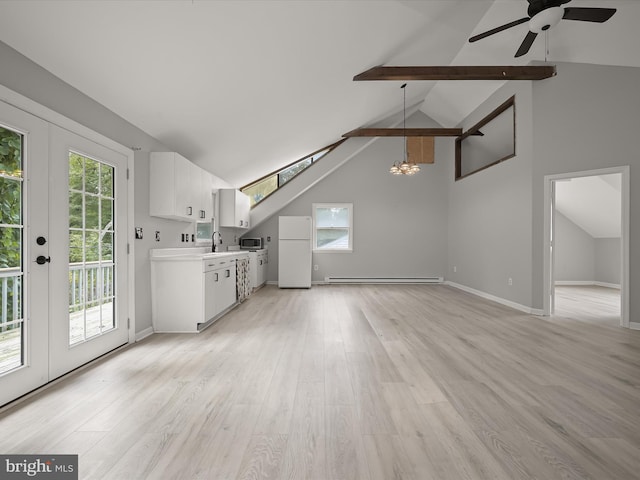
63	258
25	286
88	267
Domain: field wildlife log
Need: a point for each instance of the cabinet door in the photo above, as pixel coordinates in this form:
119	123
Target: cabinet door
211	280
242	210
228	293
261	269
184	177
227	200
205	203
234	208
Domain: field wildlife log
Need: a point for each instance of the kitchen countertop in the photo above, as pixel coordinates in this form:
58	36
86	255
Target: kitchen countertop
196	253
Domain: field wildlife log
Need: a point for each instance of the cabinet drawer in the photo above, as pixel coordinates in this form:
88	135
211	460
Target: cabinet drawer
209	265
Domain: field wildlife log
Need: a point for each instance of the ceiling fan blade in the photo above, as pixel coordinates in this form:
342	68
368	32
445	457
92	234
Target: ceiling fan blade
480	36
586	14
526	44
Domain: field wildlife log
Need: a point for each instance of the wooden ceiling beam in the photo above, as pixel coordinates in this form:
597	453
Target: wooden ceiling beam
402	132
480	72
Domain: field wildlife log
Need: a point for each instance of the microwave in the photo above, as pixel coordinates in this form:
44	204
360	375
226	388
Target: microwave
251	243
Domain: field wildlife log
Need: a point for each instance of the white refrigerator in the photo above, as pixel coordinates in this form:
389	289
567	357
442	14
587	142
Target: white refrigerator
294	252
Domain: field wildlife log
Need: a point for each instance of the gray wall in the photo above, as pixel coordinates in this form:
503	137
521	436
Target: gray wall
579	257
489	229
575	258
586	118
400	223
608	260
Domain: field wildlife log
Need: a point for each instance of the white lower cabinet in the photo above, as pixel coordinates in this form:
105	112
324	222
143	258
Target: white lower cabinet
188	291
258	261
219	286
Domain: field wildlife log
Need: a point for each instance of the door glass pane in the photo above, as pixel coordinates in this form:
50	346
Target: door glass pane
11	228
91	237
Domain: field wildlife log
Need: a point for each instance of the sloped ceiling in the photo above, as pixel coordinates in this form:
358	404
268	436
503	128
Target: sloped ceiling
244	87
593	203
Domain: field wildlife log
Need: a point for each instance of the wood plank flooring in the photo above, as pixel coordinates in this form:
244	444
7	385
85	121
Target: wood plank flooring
588	303
352	382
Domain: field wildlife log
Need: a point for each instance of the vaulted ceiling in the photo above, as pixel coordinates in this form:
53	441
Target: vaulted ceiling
244	87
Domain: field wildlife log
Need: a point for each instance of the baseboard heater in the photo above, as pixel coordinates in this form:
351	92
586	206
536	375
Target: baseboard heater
383	280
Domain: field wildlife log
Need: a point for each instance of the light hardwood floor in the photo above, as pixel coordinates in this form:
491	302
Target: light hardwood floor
352	382
588	303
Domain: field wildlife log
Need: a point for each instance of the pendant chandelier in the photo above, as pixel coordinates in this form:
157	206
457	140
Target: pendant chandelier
405	167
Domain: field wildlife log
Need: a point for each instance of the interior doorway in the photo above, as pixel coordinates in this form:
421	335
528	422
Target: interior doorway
586	251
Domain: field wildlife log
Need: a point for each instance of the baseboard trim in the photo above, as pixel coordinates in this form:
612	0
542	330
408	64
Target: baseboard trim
508	303
383	280
144	334
580	283
634	325
608	285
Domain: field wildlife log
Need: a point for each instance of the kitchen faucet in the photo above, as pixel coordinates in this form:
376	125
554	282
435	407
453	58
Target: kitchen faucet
213	240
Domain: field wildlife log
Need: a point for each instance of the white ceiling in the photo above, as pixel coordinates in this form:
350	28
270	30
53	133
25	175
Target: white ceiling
244	87
593	203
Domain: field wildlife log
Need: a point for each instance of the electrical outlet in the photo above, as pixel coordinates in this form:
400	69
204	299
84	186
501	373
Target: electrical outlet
455	269
510	281
157	236
315	267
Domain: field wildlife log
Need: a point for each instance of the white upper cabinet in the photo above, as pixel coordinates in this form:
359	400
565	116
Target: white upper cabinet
179	189
234	208
205	205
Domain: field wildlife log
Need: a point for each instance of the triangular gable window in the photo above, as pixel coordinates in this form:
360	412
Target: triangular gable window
265	186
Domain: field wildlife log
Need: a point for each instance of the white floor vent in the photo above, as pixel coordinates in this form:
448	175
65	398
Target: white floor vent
383	280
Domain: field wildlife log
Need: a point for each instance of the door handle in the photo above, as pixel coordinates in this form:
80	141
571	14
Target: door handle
41	260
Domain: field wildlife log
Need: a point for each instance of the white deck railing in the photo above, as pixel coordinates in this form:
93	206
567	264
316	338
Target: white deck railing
10	292
89	284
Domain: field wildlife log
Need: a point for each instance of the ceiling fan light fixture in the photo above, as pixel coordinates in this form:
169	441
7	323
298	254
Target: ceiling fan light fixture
546	19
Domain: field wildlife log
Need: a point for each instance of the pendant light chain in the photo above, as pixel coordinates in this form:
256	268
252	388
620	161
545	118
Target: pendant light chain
404	119
405	167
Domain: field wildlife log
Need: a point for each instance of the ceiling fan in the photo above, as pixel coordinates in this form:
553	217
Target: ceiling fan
544	14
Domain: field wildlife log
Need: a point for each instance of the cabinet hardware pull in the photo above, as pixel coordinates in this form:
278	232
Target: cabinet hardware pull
216	277
228	273
189	211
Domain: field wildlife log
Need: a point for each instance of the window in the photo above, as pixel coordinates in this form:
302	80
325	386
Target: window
265	186
332	227
11	250
478	149
91	235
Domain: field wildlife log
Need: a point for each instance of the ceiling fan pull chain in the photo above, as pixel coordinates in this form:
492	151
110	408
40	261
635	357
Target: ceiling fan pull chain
546	45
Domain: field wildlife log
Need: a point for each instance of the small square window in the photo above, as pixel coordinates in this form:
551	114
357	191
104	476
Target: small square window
332	227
